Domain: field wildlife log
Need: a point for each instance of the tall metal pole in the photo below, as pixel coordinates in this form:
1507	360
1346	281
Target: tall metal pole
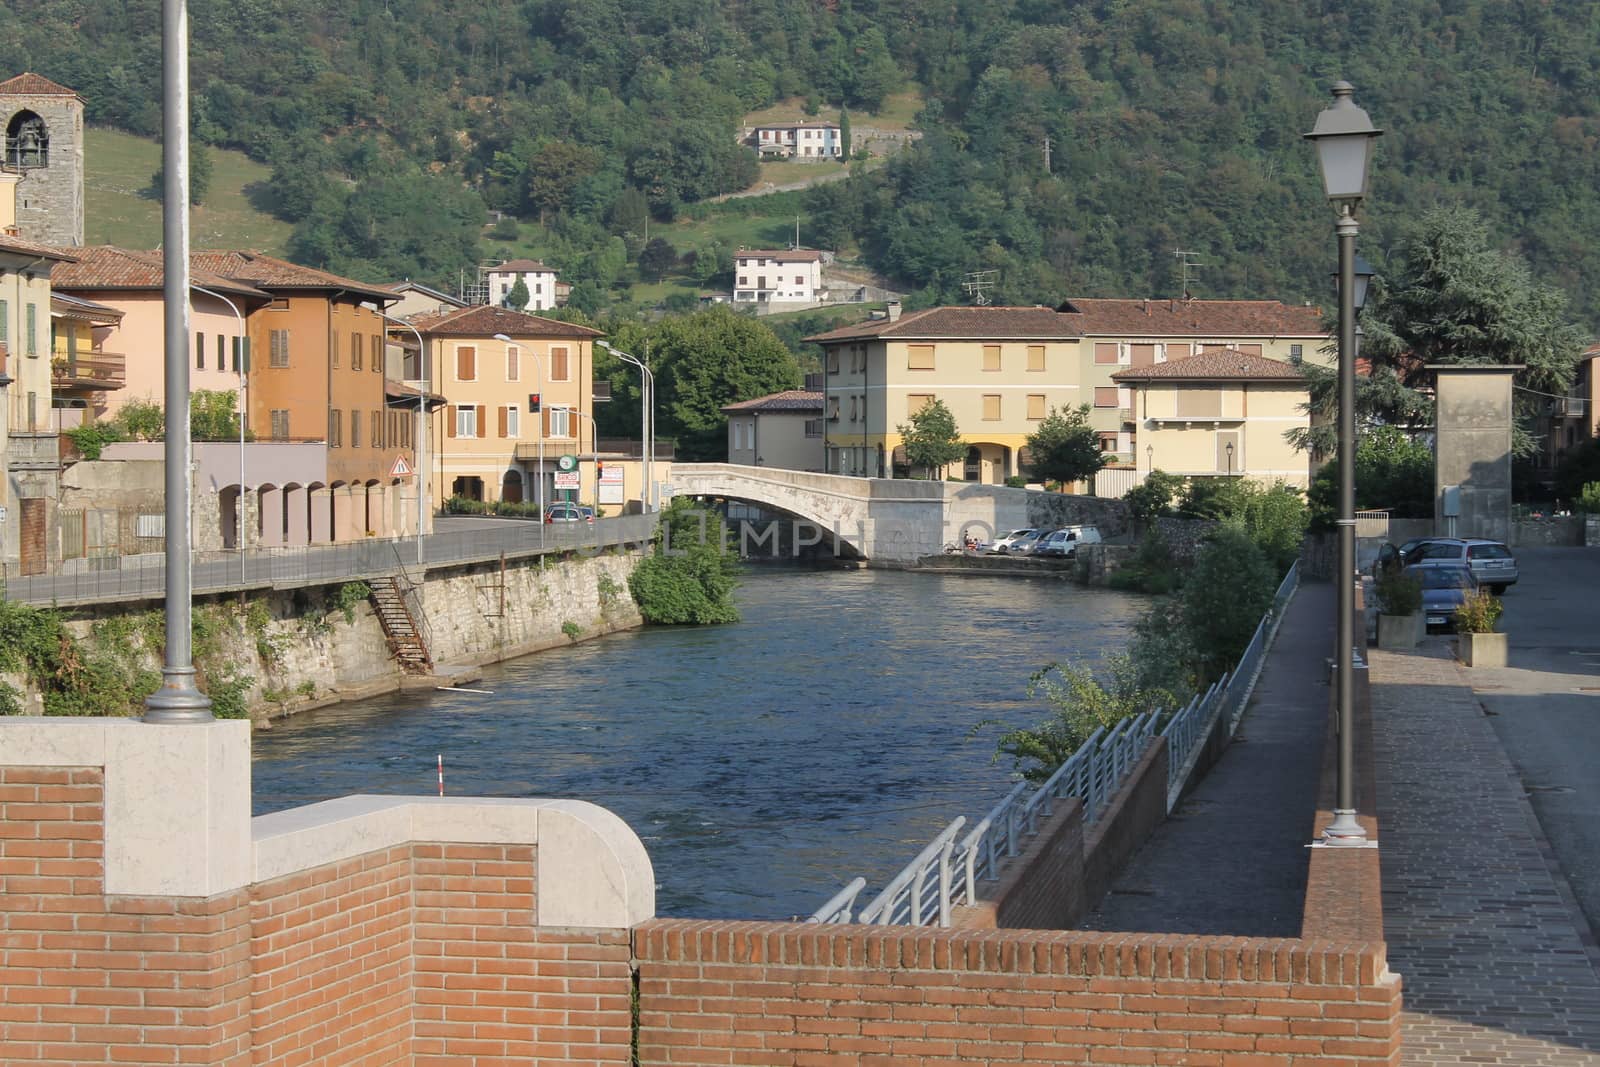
178	700
1345	830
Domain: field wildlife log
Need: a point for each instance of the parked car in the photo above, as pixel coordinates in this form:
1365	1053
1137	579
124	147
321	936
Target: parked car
1390	556
1063	543
564	511
1491	562
1013	542
1445	586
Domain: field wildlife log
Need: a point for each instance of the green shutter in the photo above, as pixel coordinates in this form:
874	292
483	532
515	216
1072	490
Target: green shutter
33	329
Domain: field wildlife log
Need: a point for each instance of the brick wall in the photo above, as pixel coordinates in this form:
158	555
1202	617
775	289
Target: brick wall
785	993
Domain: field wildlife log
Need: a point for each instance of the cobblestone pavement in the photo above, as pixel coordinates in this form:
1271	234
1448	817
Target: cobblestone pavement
1232	858
1487	944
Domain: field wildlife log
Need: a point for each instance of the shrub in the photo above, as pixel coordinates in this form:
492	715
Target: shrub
1588	501
1152	499
1478	613
347	596
1150	570
695	582
1017	481
1399	594
92	437
1227	591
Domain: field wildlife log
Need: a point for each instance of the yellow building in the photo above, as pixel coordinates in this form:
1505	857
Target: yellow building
778	430
1001	370
1219	413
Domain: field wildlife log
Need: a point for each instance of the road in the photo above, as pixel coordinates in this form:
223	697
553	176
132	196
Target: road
1545	706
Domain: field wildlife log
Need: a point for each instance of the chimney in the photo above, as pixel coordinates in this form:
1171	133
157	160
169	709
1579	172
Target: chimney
894	310
1146	303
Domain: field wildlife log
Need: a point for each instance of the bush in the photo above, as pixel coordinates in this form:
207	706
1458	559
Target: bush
92	437
1399	594
1227	591
1588	501
1017	481
1150	570
1478	613
1152	499
695	583
505	230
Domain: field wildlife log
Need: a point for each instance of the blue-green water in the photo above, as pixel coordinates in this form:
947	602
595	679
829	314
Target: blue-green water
764	764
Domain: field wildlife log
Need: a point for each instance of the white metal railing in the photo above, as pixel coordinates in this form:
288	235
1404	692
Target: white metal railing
947	873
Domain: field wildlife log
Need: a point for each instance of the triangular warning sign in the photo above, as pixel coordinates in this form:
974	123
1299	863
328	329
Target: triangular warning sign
401	468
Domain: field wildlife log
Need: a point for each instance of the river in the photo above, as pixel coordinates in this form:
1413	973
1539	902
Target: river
764	764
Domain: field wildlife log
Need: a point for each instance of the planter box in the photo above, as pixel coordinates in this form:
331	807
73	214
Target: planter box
1481	650
1396	632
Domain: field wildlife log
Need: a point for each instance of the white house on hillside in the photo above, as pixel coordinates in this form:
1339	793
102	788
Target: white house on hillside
805	141
540	280
763	276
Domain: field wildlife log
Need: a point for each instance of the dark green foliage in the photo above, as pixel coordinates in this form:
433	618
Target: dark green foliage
932	439
1065	447
91	438
1394	473
199	176
1150	570
347	596
517	298
704	361
1578	468
656	259
1224	596
691	575
142	420
1152	498
1398	594
213	415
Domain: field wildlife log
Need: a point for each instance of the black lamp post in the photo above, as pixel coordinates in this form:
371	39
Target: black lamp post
1344	138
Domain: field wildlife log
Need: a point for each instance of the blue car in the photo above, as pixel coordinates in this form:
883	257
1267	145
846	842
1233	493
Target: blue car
1445	587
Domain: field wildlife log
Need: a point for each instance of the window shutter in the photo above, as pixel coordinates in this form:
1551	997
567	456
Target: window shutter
558	364
481	423
1036	357
991	357
450	420
377	353
1105	352
502	421
544	422
333	347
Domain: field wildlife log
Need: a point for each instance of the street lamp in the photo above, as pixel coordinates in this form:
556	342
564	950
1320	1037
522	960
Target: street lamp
647	419
1230	459
1149	459
1344	138
537	429
422	427
239	356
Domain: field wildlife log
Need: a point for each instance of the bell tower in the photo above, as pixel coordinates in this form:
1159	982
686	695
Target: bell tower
42	124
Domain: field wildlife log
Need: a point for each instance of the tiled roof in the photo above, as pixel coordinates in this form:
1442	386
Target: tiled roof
788	400
76	307
522	266
795	256
21	247
1194	318
269	272
486	320
109	267
30	84
409	286
1226	365
985	323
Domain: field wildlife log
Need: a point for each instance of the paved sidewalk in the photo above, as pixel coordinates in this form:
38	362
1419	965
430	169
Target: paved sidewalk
1232	858
1489	949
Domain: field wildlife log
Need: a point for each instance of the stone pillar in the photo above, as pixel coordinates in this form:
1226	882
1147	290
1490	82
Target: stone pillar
321	509
1472	450
404	502
340	523
295	502
271	517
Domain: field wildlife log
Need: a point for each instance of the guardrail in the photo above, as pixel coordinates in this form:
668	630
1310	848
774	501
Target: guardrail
947	874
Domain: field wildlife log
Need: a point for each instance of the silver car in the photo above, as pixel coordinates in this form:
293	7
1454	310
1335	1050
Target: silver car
1491	562
1016	541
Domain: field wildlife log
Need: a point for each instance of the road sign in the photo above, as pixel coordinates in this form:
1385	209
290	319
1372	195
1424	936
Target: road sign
567	463
401	468
568	480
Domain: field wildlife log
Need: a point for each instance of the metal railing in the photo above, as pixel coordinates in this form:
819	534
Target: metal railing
947	874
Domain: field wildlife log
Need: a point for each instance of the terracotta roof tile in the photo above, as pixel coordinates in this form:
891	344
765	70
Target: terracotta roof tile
1194	318
788	400
110	267
486	320
996	323
1227	365
76	307
269	272
30	84
22	247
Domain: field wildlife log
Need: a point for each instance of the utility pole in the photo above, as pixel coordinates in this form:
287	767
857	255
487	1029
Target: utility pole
1189	262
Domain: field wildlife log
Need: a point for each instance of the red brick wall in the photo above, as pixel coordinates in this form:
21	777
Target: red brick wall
785	993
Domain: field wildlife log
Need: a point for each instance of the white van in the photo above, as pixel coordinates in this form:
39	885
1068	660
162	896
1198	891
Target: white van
1064	542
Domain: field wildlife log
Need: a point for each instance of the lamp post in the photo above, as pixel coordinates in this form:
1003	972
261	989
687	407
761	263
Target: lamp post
1149	460
239	357
1344	138
422	429
1230	459
647	420
537	429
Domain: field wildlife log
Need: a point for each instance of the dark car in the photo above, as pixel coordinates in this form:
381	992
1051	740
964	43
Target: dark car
1445	586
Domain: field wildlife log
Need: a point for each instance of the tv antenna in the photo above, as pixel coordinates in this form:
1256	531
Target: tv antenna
977	284
1189	262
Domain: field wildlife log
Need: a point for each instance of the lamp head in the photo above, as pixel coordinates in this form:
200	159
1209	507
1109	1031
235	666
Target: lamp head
1343	136
502	337
1364	274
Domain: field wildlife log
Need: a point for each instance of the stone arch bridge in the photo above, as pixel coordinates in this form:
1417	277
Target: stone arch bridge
891	521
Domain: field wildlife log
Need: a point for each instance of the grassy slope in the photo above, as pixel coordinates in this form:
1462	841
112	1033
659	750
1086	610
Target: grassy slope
898	111
118	167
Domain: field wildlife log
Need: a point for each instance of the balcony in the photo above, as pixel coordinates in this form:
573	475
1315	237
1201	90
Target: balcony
1127	414
94	372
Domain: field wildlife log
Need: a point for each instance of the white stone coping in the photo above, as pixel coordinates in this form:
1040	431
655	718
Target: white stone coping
592	870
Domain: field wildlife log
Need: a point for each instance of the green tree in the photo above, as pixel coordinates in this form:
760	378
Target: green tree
1152	498
690	576
931	438
517	298
656	259
705	361
199	176
142	420
1065	448
1394	473
1228	589
554	174
212	415
844	133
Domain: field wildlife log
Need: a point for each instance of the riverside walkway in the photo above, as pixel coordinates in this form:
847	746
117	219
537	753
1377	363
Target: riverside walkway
1497	963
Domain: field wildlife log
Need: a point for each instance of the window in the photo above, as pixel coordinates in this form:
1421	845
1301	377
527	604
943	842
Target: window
558	365
199	351
1296	354
915	402
27	141
1035	405
238	346
355	428
1250	350
5	322
377	353
833	361
991	407
356	345
1143	355
1199	401
467	421
33	329
466	363
335	427
1105	352
813	427
1105	396
333	348
919	357
1036	357
222	353
278	305
852	409
560	422
513	363
377	430
991	357
833	409
511	415
278	343
799	280
1178	351
280	424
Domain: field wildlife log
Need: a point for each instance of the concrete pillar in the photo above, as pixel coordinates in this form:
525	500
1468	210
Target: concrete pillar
295	502
321	510
340	520
271	518
404	500
1472	451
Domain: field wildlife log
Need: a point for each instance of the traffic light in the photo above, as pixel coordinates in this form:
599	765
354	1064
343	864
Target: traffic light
533	403
599	470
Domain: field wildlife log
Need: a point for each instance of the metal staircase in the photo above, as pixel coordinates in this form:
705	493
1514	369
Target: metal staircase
407	639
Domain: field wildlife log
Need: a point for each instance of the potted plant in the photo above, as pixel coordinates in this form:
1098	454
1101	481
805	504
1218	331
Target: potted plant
1400	610
1477	644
